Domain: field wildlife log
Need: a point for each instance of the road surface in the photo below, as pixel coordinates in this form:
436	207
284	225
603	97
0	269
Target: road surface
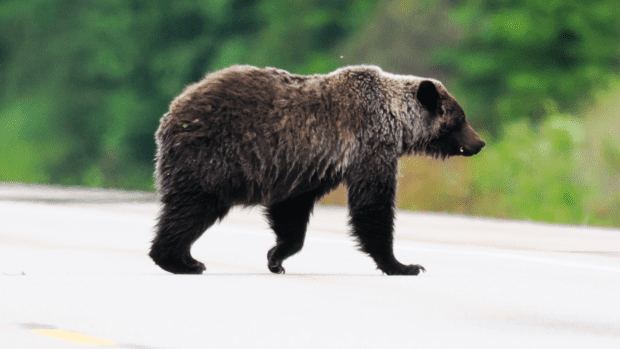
75	273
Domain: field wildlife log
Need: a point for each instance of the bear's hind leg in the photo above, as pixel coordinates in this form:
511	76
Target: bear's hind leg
182	221
289	220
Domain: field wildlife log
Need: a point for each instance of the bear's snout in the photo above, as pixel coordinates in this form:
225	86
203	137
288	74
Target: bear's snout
468	142
472	150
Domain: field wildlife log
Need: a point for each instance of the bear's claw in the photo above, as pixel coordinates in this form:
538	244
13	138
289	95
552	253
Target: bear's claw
275	266
413	269
276	269
175	265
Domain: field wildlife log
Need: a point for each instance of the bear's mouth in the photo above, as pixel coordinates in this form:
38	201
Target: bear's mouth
452	145
469	151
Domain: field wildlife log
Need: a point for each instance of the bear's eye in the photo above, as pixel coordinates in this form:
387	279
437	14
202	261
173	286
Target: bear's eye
447	129
454	126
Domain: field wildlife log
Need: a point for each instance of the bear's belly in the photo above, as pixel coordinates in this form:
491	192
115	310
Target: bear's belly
250	193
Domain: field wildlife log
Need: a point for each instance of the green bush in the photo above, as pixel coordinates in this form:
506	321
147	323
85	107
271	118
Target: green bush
537	174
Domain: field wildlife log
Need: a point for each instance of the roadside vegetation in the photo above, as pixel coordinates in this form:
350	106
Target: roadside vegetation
83	85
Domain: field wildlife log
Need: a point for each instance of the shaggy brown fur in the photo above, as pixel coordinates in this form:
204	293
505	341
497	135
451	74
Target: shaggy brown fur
249	136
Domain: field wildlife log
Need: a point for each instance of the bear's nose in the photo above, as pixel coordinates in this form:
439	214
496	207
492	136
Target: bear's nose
478	148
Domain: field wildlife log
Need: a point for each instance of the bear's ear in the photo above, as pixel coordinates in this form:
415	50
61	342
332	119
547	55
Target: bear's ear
427	95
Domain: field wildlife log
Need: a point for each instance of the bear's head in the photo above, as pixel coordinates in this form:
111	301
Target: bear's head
441	120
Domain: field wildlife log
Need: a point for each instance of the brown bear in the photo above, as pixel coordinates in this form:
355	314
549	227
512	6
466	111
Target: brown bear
250	136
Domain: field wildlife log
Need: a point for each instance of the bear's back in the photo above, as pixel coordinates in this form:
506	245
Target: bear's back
262	126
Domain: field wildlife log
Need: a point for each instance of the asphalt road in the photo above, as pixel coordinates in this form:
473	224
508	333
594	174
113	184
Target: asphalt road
75	273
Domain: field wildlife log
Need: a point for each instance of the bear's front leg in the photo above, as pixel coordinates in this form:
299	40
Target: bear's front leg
371	208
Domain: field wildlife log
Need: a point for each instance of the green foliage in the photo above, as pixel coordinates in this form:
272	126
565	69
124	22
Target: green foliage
531	175
84	83
530	58
300	34
23	159
539	175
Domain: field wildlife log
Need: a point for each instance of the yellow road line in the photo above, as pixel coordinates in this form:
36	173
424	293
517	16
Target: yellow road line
72	337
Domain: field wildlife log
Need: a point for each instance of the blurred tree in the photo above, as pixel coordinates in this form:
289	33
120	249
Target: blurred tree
529	58
301	35
84	83
402	37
